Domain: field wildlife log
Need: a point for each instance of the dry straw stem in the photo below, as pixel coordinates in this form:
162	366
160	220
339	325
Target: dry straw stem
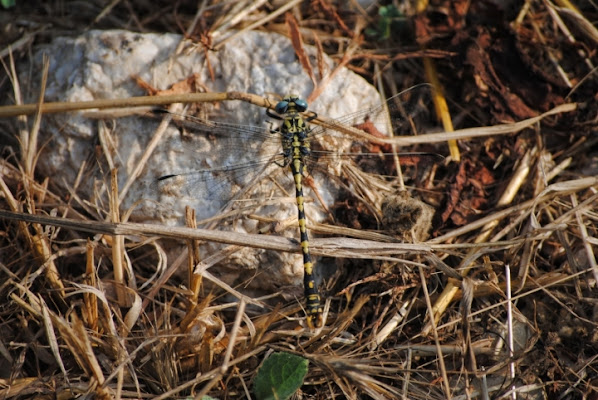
229	351
440	106
38	240
193	256
445	381
332	247
145	101
543	284
329	247
527	209
118	244
72	331
91	279
140	101
506	198
221	31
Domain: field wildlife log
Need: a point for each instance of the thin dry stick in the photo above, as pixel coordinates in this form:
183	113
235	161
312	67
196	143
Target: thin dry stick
260	22
230	290
554	59
163	279
214	258
233	337
188	32
21	43
468	133
141	101
51	336
442	111
506	198
105	11
29	139
117	242
391	325
551	282
334	247
194	281
510	327
203	377
389	129
582	25
585	238
39	241
445	381
149	149
89	299
407	376
237	14
472	226
229	351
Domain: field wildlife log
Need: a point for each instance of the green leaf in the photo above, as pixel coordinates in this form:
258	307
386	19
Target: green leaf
280	376
389	19
8	3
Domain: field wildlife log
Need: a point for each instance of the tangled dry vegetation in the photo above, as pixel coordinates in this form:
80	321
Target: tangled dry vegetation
501	296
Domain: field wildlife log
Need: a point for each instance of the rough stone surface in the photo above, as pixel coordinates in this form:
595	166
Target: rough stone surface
102	64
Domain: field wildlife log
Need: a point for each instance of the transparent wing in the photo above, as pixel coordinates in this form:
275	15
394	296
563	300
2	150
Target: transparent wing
248	151
407	113
402	114
228	157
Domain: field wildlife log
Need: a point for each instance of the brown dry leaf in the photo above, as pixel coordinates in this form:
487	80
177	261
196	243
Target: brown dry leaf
505	104
441	19
77	340
331	12
322	67
18	387
152	91
206	39
467	195
503	75
191	84
297	42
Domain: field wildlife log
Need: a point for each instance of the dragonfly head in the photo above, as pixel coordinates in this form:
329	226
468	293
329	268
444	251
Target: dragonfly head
291	102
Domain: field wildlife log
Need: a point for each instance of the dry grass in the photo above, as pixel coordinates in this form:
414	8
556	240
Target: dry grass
92	307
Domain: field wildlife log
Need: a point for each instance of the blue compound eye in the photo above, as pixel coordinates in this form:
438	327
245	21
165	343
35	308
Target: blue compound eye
281	107
301	105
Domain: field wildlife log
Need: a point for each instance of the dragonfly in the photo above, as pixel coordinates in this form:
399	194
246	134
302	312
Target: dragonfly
294	143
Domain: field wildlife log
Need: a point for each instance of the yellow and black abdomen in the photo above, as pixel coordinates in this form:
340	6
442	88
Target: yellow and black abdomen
295	143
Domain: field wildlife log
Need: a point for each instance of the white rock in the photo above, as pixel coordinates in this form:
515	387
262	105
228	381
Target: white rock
102	64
